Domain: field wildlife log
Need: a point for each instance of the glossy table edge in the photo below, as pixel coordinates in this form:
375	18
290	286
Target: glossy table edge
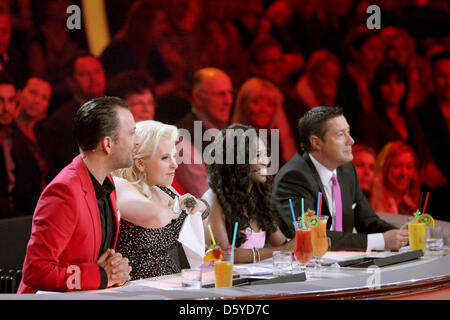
382	292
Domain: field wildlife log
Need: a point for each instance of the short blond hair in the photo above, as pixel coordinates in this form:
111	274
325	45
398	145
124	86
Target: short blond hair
150	133
251	88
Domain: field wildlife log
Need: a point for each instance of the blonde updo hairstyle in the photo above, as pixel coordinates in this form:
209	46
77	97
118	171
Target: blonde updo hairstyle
150	134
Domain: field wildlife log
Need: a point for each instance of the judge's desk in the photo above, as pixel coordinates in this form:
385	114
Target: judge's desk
344	275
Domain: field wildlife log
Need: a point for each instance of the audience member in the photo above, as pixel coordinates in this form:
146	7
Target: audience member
259	104
139	92
319	84
76	224
401	49
212	99
268	62
390	119
324	164
139	46
247	21
364	159
50	50
218	39
11	59
398	172
434	116
240	192
30	166
7	112
150	228
365	52
86	80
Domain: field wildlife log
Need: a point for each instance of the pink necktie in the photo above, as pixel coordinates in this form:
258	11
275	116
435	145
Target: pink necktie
337	202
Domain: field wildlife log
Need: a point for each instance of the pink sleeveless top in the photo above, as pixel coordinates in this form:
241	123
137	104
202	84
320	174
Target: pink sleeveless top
254	239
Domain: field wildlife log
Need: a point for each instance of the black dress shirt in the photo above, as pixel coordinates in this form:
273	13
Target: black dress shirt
102	193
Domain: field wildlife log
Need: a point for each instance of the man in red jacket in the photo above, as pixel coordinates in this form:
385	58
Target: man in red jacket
76	222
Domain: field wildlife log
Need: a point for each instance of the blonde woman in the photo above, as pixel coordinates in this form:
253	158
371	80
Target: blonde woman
149	226
397	170
259	103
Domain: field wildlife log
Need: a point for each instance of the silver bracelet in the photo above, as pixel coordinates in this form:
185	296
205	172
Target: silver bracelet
257	252
254	255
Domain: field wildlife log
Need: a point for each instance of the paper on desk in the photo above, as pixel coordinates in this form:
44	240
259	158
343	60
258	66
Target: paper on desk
251	270
343	255
192	237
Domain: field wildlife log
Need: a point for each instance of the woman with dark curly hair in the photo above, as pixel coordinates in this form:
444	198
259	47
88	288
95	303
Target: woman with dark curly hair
240	191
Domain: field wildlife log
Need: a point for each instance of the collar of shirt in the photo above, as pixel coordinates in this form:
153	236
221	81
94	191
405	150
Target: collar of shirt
324	173
325	177
102	190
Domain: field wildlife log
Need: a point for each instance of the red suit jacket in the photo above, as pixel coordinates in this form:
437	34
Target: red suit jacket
66	235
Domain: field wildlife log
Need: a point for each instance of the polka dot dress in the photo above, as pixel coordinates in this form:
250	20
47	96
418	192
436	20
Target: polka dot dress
148	249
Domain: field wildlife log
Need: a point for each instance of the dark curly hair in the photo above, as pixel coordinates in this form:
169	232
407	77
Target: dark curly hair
231	182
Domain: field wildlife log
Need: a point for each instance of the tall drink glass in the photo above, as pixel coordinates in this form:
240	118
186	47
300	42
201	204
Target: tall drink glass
223	274
303	247
319	240
417	233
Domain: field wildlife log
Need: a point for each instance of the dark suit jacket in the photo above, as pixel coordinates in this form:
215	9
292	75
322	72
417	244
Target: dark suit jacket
300	179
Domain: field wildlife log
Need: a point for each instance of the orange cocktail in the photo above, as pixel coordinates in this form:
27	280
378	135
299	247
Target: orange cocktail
319	238
303	247
223	272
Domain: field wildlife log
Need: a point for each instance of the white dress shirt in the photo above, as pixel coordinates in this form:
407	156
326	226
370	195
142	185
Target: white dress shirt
375	241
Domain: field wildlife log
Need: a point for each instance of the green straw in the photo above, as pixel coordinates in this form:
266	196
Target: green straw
303	213
234	242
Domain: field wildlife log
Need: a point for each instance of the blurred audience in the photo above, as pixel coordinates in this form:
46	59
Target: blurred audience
22	166
399	189
138	90
212	99
33	102
434	115
139	45
401	49
267	61
365	52
391	120
364	159
259	103
319	84
11	59
7	111
316	52
86	79
50	50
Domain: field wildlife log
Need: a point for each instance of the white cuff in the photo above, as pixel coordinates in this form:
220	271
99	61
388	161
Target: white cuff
375	241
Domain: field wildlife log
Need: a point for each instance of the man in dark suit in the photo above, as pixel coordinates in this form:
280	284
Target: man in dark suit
327	162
